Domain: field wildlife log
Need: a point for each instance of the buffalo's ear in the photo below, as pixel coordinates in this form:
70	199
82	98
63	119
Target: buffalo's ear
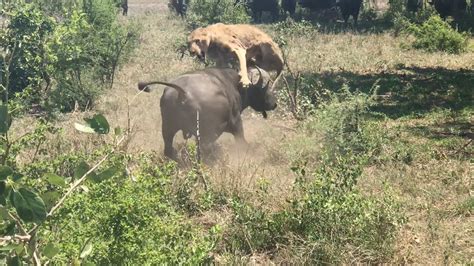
256	74
253	77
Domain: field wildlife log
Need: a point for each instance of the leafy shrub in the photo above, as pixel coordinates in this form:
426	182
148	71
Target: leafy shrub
254	229
205	12
400	18
327	215
344	122
131	222
113	219
396	9
25	38
437	35
289	27
64	59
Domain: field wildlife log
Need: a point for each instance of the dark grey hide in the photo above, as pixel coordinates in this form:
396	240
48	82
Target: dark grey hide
289	6
349	8
447	8
216	93
414	5
179	6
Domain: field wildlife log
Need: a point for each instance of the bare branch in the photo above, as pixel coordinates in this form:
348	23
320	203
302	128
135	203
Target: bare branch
14	238
17	220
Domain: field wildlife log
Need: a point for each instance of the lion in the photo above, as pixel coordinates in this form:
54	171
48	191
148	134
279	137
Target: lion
223	42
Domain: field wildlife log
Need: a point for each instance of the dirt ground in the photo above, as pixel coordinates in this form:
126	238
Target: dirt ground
156	59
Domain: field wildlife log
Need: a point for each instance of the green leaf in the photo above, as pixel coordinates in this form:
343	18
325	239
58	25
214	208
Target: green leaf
107	173
5	171
4	213
20	249
82	128
10	247
99	123
82	169
29	206
3	193
16	176
49	198
13	261
10	229
5	119
50	250
118	131
86	250
76	262
54	179
84	188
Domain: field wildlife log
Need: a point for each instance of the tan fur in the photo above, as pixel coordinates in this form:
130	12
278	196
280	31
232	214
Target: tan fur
247	43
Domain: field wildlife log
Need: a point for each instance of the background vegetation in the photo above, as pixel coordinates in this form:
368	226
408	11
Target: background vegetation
367	158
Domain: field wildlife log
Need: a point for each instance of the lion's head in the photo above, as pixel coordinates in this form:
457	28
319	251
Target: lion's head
198	43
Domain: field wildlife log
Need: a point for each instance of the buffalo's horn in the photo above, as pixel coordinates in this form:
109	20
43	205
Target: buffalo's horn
276	80
260	78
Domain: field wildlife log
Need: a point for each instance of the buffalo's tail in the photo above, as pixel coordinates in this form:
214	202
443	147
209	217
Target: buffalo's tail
144	86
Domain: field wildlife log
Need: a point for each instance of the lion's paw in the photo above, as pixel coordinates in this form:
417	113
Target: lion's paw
245	82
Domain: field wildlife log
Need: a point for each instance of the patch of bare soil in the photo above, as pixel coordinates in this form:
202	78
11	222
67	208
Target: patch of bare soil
147	7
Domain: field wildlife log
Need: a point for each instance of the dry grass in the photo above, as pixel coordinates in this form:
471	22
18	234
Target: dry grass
431	188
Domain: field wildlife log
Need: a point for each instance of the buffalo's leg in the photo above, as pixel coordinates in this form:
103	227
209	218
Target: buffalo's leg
244	79
238	132
168	136
125	7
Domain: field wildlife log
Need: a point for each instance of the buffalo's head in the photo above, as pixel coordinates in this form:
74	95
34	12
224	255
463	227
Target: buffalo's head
260	94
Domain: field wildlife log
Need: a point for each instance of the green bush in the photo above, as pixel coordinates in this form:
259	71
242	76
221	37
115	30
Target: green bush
25	37
205	12
437	35
66	59
290	28
327	215
325	218
336	218
127	221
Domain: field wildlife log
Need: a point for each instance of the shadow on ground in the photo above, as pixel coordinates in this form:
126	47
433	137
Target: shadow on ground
403	91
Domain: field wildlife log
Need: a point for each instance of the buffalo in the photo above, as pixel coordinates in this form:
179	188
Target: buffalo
122	4
414	5
178	6
445	8
316	5
259	6
216	94
349	8
289	6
